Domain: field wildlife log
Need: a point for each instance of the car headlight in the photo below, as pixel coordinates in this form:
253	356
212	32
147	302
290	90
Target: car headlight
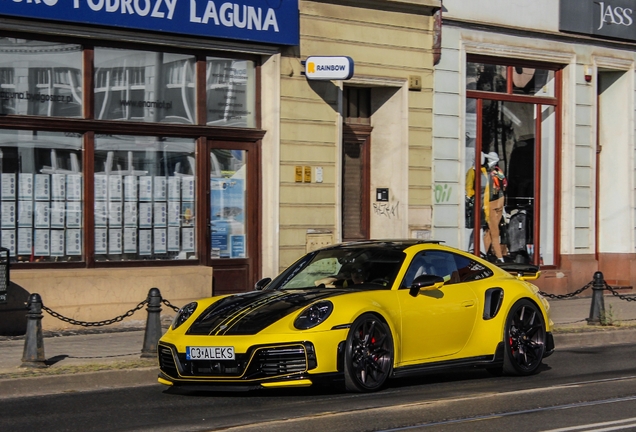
313	315
183	314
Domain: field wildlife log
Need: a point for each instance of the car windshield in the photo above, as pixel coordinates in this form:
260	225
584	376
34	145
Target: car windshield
344	267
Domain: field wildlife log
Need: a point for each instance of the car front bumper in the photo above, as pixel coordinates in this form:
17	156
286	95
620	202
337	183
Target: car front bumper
273	362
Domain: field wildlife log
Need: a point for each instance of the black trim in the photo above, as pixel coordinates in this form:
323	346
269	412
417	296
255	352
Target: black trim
492	302
325	379
482	361
519	269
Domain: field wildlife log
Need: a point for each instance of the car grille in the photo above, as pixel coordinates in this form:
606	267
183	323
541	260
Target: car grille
266	362
278	361
166	361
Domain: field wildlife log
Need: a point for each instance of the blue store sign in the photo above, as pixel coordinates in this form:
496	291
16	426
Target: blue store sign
267	21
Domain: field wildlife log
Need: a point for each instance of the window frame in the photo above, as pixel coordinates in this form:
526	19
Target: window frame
89	126
537	101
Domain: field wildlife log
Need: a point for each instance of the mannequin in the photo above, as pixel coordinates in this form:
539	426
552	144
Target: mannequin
493	185
493	204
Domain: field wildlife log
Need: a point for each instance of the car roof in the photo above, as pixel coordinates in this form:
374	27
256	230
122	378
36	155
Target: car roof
395	244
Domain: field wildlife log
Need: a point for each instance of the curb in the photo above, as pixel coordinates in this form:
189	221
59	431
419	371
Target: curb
83	381
594	337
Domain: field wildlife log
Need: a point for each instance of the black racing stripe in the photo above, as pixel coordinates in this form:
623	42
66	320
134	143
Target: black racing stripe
263	301
215	317
247	314
259	318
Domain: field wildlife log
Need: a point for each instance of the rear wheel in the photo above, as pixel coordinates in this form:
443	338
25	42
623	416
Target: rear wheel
524	339
368	354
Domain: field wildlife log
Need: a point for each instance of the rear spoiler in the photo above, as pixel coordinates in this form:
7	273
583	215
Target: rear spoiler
521	271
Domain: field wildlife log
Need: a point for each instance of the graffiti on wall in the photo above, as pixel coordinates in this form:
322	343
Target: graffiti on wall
442	193
388	210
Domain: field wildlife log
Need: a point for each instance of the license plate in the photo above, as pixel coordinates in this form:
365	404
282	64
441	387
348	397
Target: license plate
210	353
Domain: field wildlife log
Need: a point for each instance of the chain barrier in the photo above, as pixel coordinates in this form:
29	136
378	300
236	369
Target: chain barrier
589	285
170	305
106	322
96	323
615	294
569	295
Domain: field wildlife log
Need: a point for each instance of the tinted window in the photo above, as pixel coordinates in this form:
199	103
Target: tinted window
452	267
470	270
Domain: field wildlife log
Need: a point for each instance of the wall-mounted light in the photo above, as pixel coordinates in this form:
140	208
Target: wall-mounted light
587	69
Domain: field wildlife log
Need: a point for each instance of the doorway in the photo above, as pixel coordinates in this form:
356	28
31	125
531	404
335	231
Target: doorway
356	161
233	220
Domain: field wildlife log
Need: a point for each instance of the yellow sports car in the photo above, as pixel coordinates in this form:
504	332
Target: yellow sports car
362	313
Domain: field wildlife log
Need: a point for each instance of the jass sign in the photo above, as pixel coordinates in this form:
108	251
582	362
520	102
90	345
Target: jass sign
610	18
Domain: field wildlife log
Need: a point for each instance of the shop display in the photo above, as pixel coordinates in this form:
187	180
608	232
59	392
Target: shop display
151	212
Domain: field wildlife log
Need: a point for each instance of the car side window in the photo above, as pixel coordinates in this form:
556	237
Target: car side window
443	264
438	263
417	268
470	270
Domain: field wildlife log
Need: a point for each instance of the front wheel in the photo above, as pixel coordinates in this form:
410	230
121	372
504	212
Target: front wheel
368	354
524	339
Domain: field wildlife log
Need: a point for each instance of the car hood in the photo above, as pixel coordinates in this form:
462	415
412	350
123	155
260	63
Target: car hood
248	314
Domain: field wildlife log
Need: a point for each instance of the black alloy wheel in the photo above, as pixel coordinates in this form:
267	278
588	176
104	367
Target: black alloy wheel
368	355
524	339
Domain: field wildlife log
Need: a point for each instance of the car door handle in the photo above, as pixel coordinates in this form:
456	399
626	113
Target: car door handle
468	303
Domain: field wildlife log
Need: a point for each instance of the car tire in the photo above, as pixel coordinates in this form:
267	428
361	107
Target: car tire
524	339
368	359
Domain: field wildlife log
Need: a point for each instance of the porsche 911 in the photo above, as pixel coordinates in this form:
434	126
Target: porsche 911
361	314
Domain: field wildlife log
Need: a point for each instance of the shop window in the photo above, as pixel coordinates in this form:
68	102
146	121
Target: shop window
144	86
144	198
142	205
532	81
40	78
57	88
486	77
228	200
231	92
512	138
7	88
41	195
529	81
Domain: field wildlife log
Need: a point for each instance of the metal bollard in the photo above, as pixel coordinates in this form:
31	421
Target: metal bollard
153	324
33	355
597	308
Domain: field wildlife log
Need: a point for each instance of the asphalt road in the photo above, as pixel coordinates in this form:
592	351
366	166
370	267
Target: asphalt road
575	389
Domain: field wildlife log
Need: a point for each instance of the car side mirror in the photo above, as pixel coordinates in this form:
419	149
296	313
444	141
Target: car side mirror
262	284
425	283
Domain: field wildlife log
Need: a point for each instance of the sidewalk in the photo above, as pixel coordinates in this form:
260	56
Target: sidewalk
107	360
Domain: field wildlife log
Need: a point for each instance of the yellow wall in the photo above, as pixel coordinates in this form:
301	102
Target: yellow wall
387	47
102	294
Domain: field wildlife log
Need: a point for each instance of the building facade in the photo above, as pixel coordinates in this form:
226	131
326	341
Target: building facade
544	91
366	142
182	147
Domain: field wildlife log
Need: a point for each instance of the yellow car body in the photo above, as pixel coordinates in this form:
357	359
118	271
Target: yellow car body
400	325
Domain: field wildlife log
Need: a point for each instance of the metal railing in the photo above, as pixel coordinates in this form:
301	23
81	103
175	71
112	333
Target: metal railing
598	315
33	355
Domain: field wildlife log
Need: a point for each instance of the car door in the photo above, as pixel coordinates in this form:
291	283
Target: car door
436	323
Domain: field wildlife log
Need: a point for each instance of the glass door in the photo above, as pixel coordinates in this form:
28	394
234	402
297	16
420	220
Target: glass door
233	217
